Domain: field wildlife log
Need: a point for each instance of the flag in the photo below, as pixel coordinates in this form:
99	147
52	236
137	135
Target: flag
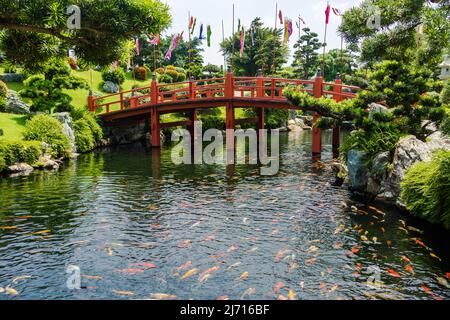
155	40
242	40
239	24
201	32
287	30
208	35
301	20
173	46
337	12
180	37
137	46
280	15
252	36
192	25
327	14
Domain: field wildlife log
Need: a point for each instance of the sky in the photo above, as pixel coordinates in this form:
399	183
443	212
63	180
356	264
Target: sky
214	11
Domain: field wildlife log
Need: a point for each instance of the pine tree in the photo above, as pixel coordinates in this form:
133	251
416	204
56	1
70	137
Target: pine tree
306	57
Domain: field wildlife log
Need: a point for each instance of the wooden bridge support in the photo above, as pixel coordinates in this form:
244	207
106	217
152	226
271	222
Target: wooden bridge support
337	90
316	132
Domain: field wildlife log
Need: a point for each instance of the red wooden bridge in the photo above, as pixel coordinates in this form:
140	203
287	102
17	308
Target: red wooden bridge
230	92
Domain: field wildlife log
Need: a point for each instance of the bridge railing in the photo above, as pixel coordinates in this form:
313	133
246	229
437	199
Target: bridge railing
230	87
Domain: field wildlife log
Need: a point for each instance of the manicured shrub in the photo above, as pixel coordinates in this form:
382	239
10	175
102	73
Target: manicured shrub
141	73
165	78
426	189
445	93
96	129
84	138
3	89
115	76
49	130
19	151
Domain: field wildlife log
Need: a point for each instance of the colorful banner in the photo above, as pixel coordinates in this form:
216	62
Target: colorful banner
192	25
337	12
172	47
201	32
208	35
155	40
327	14
280	16
137	46
242	41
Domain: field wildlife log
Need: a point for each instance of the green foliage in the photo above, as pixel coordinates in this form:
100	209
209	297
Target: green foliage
9	67
116	76
273	118
19	151
337	62
212	122
306	57
141	73
84	138
445	93
426	189
47	129
3	89
3	104
46	89
40	27
372	143
268	52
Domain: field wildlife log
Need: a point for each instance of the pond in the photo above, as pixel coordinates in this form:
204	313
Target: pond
139	227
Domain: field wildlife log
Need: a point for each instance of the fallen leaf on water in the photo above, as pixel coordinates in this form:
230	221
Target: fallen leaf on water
130	271
162	296
185	265
123	293
409	269
394	273
278	287
435	256
244	276
144	264
223	298
189	273
291	295
92	277
11	291
17	279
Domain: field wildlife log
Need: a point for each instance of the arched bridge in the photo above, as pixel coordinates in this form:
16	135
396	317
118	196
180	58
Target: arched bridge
230	92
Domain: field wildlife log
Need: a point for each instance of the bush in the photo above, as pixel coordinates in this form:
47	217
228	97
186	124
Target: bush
426	189
141	73
3	89
19	151
165	78
115	76
3	104
49	130
445	93
273	118
212	122
84	138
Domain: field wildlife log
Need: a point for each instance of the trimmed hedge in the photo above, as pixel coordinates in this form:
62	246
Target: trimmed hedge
87	132
47	129
426	189
19	151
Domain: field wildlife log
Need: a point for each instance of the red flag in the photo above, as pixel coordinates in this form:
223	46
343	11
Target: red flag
280	15
137	46
242	42
327	14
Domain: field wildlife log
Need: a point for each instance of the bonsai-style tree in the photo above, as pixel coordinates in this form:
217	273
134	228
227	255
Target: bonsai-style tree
306	57
46	90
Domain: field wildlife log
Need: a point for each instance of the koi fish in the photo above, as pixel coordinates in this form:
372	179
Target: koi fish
223	298
447	275
443	282
11	291
356	249
435	256
185	265
144	264
232	248
130	271
110	251
123	293
278	287
23	217
406	259
17	279
409	269
40	232
394	273
8	228
189	273
420	243
244	276
162	296
291	295
92	277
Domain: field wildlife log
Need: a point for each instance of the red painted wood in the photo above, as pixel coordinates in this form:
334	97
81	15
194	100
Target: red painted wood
316	132
155	128
337	96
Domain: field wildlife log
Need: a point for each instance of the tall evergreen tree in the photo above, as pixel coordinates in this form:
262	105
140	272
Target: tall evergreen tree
306	56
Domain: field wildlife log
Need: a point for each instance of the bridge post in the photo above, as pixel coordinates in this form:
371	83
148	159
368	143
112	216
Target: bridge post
91	101
316	132
134	101
192	93
337	96
260	93
229	94
154	117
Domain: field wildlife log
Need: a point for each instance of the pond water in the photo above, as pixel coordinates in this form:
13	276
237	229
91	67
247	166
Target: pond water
138	227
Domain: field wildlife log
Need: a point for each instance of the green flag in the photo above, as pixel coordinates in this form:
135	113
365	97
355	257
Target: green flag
208	33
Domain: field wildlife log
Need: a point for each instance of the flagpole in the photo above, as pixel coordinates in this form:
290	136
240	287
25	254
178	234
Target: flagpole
232	40
189	46
224	56
274	38
325	46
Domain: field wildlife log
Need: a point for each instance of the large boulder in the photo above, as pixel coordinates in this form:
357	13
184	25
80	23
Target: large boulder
378	173
22	168
111	87
66	121
357	170
409	151
14	104
375	108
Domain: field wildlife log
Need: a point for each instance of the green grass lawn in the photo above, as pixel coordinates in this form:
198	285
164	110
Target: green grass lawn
13	126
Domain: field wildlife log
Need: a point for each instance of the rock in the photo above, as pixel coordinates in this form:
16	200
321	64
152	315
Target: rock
299	122
66	121
380	166
409	151
111	87
22	168
340	172
373	186
11	77
14	104
294	126
291	123
357	169
375	108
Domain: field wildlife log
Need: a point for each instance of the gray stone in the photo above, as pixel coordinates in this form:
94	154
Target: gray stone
380	165
111	87
20	168
66	121
357	170
14	104
375	108
409	151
